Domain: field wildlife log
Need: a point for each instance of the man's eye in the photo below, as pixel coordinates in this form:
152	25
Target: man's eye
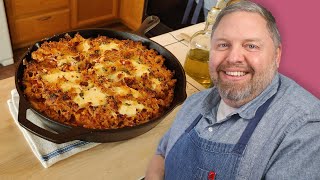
223	45
252	46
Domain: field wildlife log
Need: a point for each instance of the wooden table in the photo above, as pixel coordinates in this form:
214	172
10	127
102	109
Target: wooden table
119	160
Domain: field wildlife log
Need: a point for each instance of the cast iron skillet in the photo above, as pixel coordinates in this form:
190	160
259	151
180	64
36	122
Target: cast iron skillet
65	133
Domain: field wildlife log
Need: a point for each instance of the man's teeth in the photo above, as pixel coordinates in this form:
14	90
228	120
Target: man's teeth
237	73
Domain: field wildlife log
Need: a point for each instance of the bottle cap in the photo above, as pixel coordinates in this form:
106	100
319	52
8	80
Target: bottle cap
213	14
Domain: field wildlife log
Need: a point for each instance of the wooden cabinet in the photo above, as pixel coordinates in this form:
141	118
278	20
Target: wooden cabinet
32	20
37	27
89	12
131	13
24	8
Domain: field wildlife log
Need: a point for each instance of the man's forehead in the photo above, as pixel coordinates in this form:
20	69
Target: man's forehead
242	18
250	25
242	13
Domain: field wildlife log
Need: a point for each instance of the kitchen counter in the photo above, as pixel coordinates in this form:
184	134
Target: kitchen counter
118	160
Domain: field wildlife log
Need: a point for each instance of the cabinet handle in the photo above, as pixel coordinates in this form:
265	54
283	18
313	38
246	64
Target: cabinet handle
44	18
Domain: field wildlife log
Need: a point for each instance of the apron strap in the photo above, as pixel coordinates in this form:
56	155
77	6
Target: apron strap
253	123
194	123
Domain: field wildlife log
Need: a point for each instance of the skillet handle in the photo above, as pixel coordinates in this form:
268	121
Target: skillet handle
147	24
43	133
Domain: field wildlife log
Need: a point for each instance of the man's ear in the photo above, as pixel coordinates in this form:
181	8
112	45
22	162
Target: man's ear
278	55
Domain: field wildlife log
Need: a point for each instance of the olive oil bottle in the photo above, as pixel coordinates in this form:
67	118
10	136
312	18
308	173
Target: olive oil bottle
196	64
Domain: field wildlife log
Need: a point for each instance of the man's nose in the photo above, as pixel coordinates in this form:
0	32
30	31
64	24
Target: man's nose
236	54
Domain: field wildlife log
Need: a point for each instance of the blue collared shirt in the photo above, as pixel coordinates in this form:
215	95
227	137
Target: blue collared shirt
285	144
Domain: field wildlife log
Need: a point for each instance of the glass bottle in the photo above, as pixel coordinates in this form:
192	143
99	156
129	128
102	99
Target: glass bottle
196	64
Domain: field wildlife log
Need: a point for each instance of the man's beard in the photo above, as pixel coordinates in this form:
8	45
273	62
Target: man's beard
247	91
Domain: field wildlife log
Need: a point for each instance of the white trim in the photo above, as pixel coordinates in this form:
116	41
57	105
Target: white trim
6	54
6	62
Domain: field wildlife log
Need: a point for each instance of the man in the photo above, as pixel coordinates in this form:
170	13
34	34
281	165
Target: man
255	123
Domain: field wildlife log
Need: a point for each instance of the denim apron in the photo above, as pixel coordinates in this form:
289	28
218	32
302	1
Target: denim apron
193	157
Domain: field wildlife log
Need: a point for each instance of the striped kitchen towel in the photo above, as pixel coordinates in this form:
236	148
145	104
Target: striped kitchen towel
47	152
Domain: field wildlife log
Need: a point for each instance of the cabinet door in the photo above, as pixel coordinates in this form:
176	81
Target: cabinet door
32	20
131	12
90	12
35	28
23	8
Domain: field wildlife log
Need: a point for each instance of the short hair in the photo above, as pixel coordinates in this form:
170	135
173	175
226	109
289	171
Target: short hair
249	6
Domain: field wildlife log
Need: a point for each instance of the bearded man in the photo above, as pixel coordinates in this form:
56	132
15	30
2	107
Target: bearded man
255	123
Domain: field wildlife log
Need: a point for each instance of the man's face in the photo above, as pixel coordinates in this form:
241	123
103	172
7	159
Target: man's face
243	57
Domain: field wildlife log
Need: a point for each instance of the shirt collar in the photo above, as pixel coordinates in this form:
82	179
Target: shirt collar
210	105
247	111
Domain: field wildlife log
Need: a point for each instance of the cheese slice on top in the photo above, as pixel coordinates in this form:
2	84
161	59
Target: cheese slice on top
109	46
53	77
66	60
155	83
93	95
121	90
135	93
130	108
99	68
125	90
140	68
86	46
66	86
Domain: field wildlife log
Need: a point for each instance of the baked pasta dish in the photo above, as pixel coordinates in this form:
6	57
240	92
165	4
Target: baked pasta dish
98	83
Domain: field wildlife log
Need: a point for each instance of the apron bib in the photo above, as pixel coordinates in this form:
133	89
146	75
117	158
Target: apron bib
193	157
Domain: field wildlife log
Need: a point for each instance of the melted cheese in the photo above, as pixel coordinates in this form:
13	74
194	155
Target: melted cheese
122	90
99	68
102	68
116	75
135	93
85	46
66	86
53	77
129	108
66	60
90	62
155	83
110	46
94	96
126	90
140	69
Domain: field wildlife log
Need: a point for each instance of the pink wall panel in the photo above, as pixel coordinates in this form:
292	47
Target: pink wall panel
299	25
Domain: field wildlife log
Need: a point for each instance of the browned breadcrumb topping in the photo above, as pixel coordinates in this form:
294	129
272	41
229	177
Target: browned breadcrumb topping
98	83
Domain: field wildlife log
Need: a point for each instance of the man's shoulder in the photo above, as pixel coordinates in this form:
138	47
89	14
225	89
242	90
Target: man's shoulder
293	95
293	91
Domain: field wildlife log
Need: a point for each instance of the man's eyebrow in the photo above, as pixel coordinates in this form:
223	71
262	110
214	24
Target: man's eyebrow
253	40
245	40
219	39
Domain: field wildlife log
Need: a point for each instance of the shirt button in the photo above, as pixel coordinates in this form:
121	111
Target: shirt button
211	175
210	129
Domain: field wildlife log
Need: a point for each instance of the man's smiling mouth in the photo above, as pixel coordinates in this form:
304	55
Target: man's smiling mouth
235	73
